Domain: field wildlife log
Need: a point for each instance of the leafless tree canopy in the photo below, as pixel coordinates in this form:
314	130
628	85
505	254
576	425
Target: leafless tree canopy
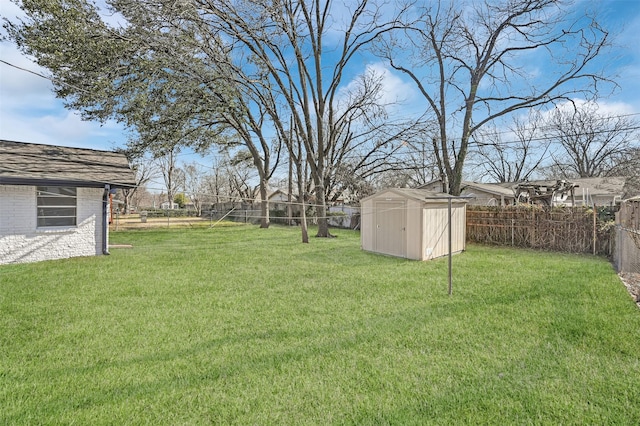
145	169
468	59
172	174
593	143
514	154
262	76
302	50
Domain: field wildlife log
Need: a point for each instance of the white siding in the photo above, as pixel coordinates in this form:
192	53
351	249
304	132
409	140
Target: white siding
435	228
367	222
21	240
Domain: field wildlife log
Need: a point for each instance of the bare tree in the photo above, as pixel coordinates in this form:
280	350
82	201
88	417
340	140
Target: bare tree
467	60
144	168
241	175
171	173
593	143
519	157
194	185
286	44
629	167
216	183
143	198
296	150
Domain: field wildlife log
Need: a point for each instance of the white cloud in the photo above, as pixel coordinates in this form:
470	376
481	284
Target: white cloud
393	92
605	108
60	127
394	89
30	112
18	86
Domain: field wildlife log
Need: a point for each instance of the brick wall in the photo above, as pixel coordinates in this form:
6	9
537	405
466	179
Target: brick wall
21	240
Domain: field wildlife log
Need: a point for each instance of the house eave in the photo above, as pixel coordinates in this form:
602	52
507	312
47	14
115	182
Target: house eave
61	182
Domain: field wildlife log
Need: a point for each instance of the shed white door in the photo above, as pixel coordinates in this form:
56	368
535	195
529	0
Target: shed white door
390	227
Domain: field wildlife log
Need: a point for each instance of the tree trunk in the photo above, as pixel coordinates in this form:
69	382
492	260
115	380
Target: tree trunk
264	205
126	195
303	207
322	211
323	223
303	222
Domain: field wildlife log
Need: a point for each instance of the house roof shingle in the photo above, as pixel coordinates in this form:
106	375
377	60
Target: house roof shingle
490	188
595	185
35	164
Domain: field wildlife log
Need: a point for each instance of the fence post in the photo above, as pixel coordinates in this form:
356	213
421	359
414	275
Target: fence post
594	229
513	224
532	229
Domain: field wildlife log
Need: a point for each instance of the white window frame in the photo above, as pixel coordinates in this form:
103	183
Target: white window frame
57	206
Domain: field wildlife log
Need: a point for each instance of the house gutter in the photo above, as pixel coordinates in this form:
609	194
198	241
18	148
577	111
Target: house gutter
105	220
60	182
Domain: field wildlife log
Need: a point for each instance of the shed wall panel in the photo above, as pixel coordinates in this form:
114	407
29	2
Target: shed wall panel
436	234
367	226
413	234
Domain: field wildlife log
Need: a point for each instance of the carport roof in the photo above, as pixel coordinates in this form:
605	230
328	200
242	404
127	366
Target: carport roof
35	164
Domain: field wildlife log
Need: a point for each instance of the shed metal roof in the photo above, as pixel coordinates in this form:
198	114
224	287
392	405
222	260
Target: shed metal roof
419	195
35	164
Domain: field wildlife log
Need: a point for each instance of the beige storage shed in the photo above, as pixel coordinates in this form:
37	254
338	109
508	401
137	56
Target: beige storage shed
412	223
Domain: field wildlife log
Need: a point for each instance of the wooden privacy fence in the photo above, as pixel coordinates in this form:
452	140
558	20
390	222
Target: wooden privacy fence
626	255
575	230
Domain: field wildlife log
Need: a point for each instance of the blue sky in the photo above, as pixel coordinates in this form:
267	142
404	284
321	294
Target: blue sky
29	111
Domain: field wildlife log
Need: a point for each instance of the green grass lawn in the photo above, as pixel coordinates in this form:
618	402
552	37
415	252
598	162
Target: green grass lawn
238	325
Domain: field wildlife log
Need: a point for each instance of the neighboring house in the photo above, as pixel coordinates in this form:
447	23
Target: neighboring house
168	206
278	200
480	194
344	216
601	191
54	201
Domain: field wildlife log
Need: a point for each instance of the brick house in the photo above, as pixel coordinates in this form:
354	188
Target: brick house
54	201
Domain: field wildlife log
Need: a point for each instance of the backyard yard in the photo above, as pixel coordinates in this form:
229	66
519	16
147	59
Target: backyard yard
241	325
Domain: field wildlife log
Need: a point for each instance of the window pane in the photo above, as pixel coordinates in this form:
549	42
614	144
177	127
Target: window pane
56	201
52	191
56	221
57	211
56	206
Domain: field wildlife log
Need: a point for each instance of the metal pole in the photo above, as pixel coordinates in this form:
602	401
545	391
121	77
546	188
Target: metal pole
595	231
450	244
222	218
